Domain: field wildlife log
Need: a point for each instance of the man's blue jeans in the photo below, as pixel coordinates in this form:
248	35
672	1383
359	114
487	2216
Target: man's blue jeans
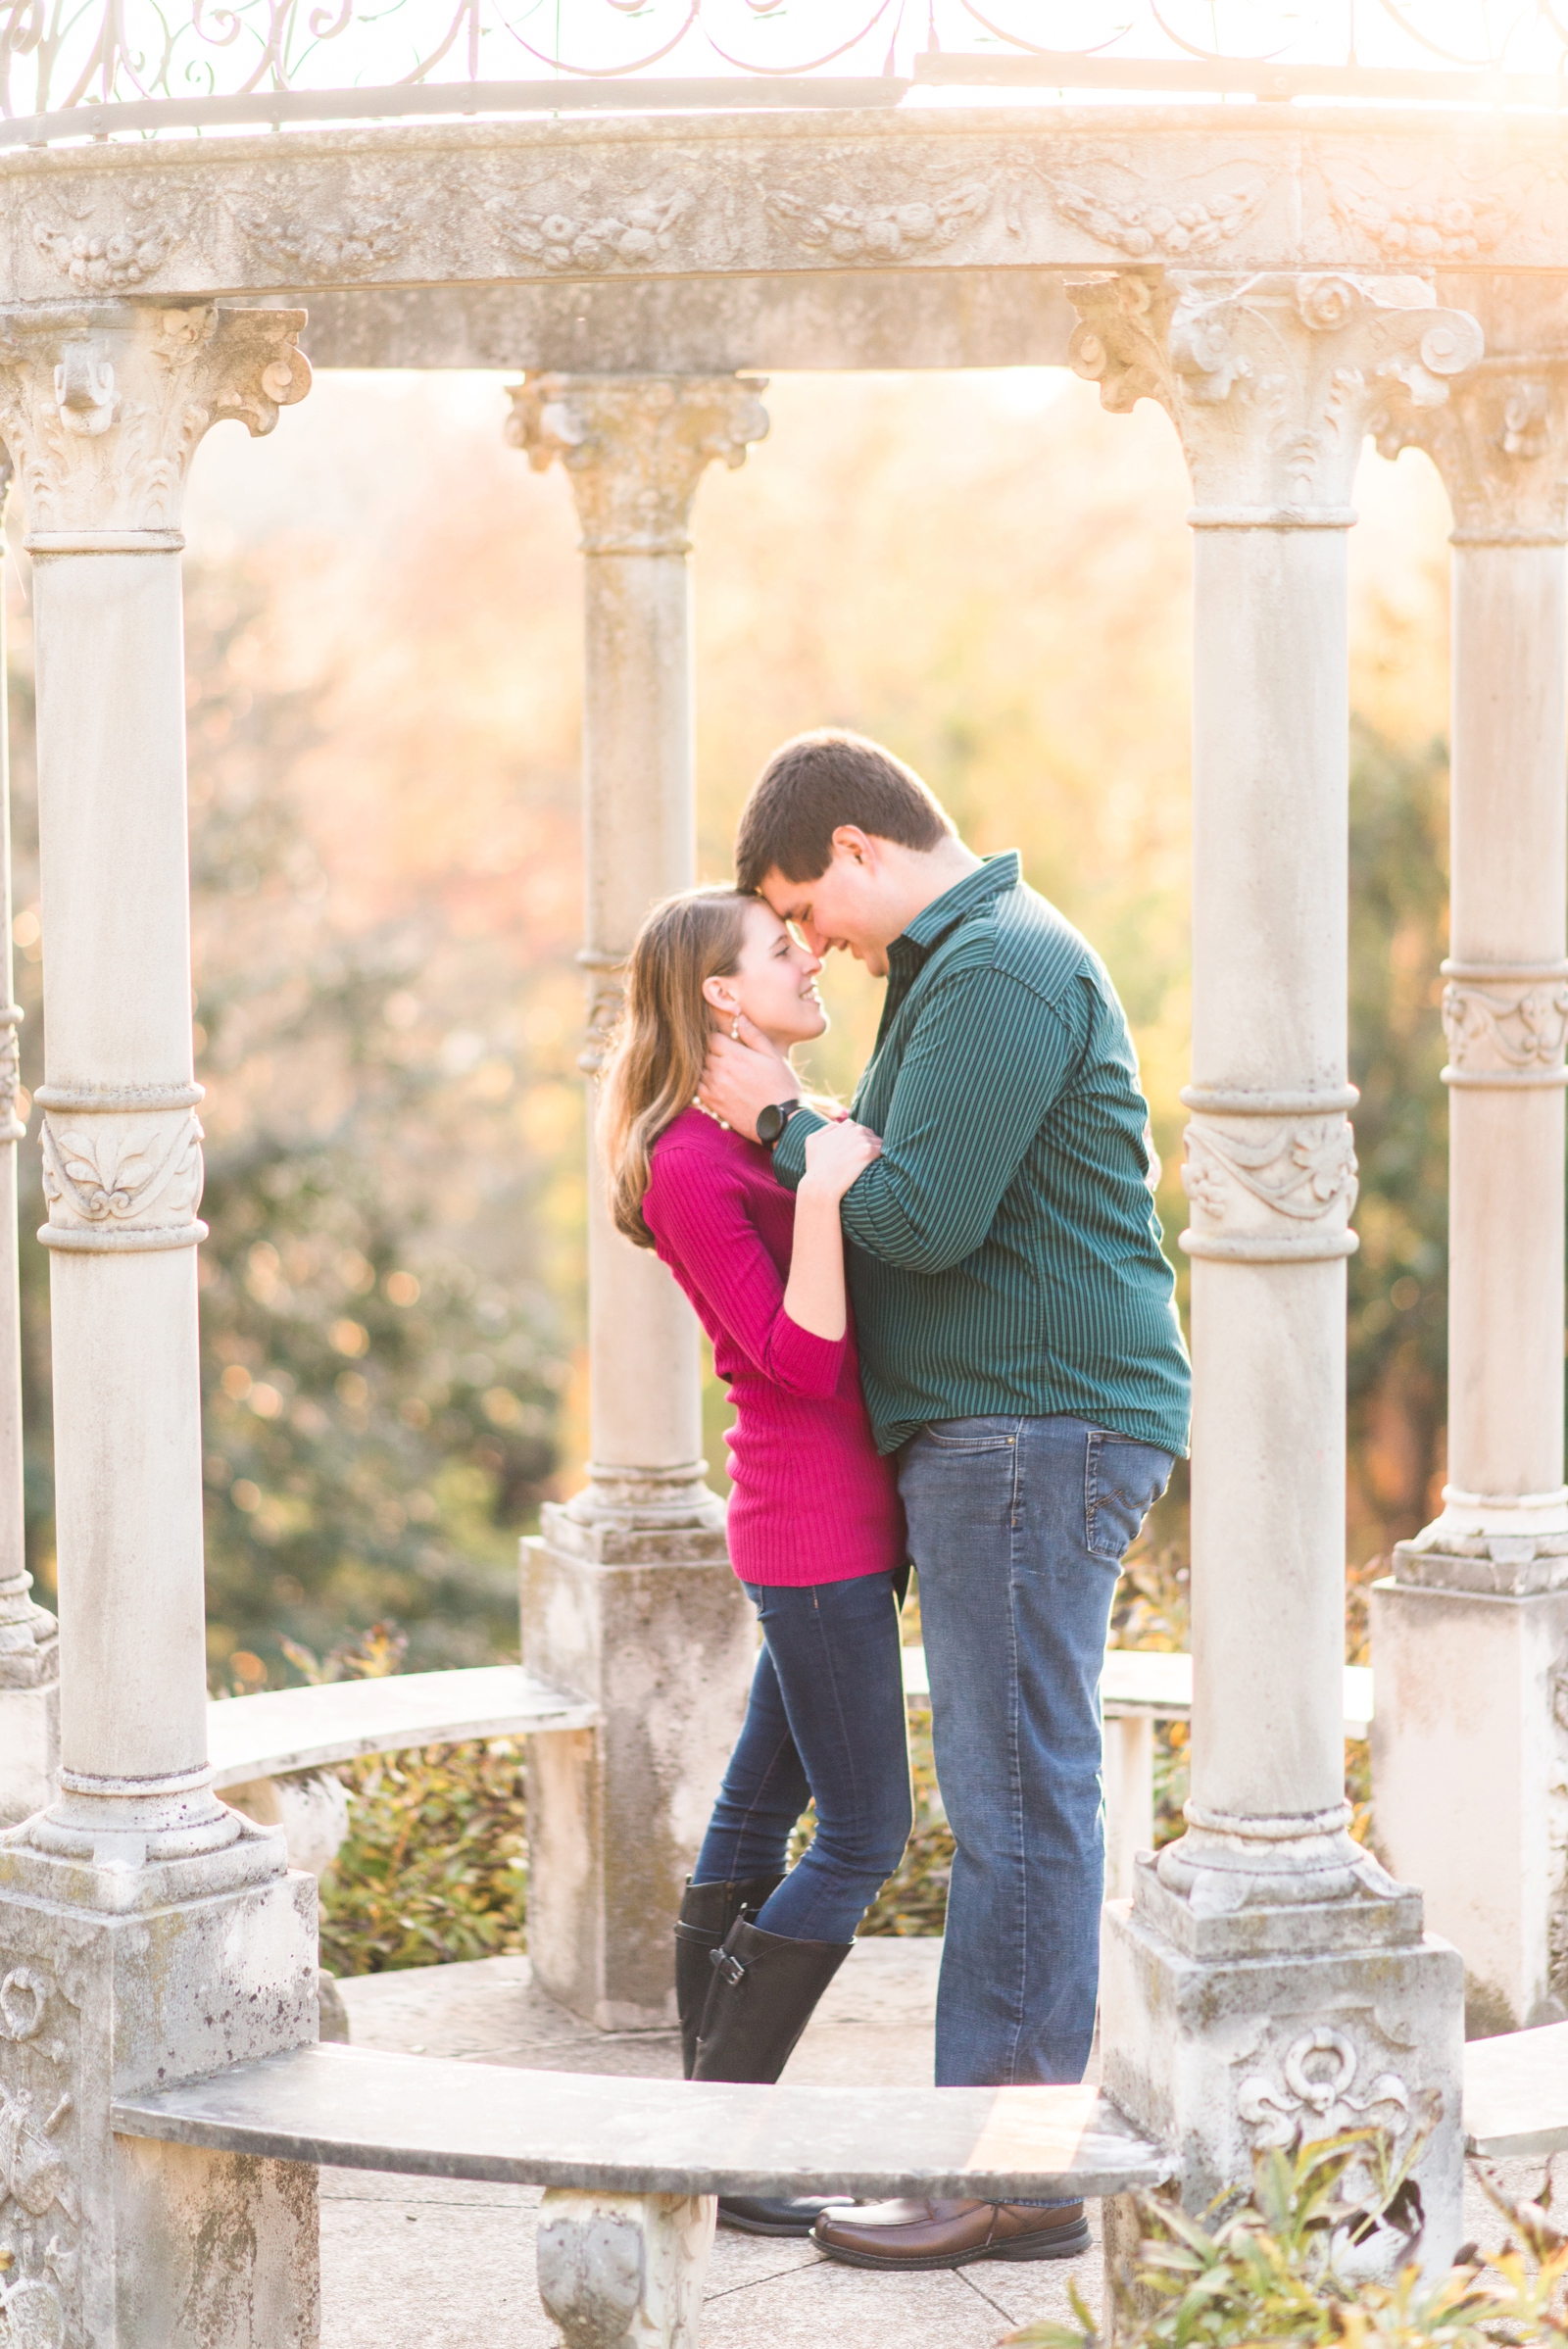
826	1720
1017	1528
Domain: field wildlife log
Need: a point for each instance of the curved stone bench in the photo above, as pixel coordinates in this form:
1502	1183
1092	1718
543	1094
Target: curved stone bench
272	1754
632	2167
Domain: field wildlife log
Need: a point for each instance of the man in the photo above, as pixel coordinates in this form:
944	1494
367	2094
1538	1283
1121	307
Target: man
1021	1356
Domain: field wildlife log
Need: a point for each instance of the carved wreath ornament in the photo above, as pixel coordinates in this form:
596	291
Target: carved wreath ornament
1521	1028
1301	1170
1319	2073
583	235
878	231
1145	226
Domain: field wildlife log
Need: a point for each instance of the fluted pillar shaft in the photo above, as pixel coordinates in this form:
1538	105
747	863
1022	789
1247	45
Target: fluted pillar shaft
615	1827
102	410
1271	382
1465	1791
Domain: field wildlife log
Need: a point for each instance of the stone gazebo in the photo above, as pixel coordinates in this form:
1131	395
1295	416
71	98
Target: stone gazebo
1284	282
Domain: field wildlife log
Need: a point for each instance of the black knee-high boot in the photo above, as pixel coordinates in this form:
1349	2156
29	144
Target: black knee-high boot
707	1913
765	1990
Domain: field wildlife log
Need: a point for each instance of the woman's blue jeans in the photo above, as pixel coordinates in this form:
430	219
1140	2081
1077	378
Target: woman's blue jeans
1017	1529
825	1722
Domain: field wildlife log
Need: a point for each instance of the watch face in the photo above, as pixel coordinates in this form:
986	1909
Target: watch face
770	1123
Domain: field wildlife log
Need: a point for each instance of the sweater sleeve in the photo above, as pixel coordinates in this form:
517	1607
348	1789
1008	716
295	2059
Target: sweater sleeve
697	1211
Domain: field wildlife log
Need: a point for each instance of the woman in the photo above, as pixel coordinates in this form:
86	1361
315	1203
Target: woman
815	1527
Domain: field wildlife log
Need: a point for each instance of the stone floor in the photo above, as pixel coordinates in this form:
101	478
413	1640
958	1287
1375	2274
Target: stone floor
438	2263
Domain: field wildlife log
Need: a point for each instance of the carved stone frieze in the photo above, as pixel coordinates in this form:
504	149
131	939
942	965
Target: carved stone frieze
102	408
1271	383
103	247
118	1178
1506	1028
1500	443
1271	1186
853	223
40	2209
307	243
635	446
1159	223
573	226
1315	2089
1425	228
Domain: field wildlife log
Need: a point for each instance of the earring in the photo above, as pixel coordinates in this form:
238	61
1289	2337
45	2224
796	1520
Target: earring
735	1027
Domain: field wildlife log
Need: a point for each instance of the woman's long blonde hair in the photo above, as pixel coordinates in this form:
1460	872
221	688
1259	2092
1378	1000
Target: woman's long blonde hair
655	1057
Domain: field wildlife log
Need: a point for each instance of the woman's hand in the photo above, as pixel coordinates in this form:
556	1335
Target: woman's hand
836	1156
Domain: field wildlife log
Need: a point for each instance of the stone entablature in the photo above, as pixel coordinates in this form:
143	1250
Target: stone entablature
1222	189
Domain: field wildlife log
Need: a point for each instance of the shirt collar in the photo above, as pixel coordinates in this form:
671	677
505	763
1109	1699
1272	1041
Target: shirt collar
993	877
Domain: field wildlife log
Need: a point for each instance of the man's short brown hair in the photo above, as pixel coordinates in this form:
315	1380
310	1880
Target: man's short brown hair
819	781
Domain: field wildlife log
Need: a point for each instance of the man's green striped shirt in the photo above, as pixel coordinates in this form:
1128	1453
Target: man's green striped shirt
1005	1250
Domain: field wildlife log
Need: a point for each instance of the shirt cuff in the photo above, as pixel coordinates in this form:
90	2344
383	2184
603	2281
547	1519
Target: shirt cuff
789	1151
804	1364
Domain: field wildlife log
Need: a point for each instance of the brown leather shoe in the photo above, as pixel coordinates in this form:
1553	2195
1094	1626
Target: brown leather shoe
949	2234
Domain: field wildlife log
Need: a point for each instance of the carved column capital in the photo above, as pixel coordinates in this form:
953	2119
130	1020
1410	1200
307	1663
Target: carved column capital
1501	446
102	407
1271	381
636	447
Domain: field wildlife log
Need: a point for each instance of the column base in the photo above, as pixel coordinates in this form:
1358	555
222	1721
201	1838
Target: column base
125	1883
1470	1765
1222	2055
122	2244
648	1621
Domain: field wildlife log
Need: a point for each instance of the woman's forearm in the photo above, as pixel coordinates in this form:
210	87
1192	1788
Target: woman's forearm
813	1298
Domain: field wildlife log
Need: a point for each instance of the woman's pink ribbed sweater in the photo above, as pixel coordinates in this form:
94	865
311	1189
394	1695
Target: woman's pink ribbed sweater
813	1503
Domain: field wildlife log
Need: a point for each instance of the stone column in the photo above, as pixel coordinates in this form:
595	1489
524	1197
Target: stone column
147	1932
627	1594
29	1648
1470	1633
1267	1974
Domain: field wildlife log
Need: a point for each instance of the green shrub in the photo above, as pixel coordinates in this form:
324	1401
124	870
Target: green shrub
435	1867
1277	2265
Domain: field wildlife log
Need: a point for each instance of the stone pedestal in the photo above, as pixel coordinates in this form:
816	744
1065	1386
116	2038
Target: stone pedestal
147	1932
1470	1633
627	1597
1268	1973
121	2243
652	1628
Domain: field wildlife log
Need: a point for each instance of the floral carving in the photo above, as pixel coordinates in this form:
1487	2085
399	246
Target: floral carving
635	448
113	1176
848	231
133	247
40	2210
1421	228
1520	1027
1500	444
1145	226
308	249
578	234
1272	383
12	1127
1302	1169
1318	2077
102	417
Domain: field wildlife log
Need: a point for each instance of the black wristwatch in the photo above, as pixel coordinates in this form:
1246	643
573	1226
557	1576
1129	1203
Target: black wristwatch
771	1121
